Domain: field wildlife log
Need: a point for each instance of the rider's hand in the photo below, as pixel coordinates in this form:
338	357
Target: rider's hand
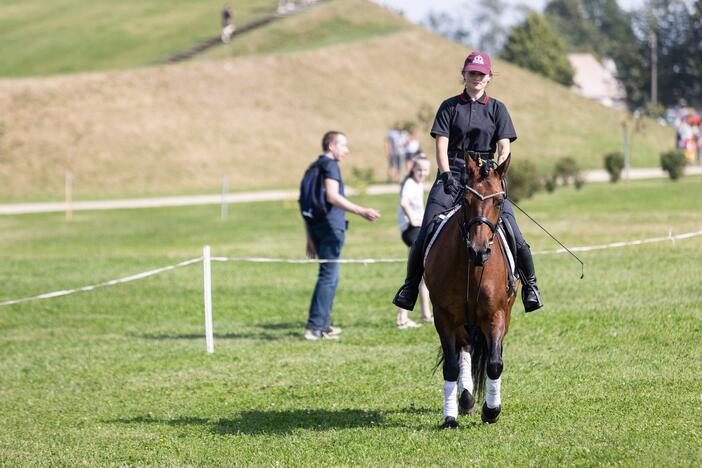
451	185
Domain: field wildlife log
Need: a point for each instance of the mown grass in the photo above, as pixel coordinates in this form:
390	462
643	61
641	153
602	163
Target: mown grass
67	36
330	23
608	373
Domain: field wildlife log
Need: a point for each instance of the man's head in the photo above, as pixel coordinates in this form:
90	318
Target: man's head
335	145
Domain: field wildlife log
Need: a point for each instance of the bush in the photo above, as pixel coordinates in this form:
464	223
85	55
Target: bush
550	184
523	180
566	169
614	163
673	162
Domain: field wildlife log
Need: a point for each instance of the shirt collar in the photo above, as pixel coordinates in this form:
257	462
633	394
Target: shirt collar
465	98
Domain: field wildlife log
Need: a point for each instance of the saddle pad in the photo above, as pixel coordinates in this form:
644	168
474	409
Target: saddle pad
507	251
444	217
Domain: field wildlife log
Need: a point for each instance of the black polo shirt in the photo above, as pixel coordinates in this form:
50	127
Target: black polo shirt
473	125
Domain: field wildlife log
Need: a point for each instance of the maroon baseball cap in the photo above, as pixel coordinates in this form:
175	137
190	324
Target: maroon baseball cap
478	61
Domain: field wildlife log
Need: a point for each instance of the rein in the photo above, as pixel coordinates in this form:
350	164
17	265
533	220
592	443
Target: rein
467	225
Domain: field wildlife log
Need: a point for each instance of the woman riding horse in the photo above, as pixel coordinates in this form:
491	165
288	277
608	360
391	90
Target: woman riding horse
470	123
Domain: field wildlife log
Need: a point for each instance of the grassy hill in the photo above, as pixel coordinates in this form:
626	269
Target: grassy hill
258	118
67	36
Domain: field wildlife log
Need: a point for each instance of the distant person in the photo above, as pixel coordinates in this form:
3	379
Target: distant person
395	151
285	6
325	237
228	27
412	149
410	212
473	124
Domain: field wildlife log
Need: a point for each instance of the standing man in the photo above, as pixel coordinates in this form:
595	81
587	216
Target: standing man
325	237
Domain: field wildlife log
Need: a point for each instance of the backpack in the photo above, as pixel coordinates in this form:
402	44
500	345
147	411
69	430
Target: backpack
313	202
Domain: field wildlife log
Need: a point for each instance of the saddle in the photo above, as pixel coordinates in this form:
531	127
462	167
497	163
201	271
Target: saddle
504	235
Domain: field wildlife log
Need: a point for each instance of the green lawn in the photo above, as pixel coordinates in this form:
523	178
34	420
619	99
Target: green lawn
609	372
67	36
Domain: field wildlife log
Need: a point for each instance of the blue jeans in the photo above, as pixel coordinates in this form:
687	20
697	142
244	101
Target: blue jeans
328	242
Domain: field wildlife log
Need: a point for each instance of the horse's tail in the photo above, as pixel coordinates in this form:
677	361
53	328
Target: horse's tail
439	360
478	359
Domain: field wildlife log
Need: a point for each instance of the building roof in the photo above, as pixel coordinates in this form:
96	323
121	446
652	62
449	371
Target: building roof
597	80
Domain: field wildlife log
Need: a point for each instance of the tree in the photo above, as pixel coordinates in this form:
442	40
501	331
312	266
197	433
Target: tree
569	20
536	46
601	27
678	57
482	25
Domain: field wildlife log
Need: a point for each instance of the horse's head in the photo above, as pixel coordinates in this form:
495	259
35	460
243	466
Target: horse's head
483	198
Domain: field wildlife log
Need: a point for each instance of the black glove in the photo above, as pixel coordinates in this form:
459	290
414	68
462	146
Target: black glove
451	185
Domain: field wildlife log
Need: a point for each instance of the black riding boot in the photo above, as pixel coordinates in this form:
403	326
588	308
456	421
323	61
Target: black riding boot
407	295
531	297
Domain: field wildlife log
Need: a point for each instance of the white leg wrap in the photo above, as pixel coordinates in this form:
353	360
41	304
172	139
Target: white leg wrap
465	379
450	399
492	392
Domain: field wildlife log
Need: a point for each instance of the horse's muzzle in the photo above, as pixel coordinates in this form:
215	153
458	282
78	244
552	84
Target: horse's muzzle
478	257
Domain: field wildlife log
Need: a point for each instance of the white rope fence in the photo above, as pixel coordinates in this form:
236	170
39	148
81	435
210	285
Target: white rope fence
206	259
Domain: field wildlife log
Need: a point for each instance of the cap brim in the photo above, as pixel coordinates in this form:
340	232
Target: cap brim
479	68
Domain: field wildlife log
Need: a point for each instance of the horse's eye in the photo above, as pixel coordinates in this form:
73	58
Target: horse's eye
498	203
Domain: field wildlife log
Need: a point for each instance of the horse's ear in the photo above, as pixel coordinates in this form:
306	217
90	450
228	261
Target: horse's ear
470	163
502	168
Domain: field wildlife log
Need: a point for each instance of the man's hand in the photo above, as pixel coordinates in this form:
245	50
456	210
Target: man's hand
370	214
451	185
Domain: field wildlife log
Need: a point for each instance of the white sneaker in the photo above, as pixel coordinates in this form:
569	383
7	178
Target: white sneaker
314	335
331	330
408	324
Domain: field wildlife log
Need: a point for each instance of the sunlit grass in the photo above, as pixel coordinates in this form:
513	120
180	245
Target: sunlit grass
608	373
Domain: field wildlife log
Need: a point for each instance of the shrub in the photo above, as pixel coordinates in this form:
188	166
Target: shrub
673	162
566	169
550	183
523	180
614	163
579	182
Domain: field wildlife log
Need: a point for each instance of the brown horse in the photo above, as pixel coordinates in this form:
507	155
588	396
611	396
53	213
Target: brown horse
469	285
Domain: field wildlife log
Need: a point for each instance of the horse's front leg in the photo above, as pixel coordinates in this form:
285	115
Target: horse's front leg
493	402
450	371
466	401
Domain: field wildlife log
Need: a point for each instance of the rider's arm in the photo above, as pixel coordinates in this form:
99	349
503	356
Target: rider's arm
442	153
502	150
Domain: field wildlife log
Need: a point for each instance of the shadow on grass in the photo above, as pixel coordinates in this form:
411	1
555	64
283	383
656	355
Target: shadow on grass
257	422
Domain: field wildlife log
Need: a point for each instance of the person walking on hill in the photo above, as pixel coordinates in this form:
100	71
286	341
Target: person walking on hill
325	236
228	27
477	125
410	212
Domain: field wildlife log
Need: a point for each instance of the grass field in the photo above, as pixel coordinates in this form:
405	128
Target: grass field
609	372
67	36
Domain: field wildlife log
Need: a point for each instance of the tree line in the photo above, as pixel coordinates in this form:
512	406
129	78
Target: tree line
668	32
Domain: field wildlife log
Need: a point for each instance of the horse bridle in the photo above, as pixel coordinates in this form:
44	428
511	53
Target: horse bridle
480	219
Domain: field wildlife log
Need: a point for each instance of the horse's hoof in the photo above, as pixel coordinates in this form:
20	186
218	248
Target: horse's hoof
490	415
449	423
466	403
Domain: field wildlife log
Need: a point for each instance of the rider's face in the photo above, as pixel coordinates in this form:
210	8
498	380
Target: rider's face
476	81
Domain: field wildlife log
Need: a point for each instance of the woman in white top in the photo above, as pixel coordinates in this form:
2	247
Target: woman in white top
409	219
